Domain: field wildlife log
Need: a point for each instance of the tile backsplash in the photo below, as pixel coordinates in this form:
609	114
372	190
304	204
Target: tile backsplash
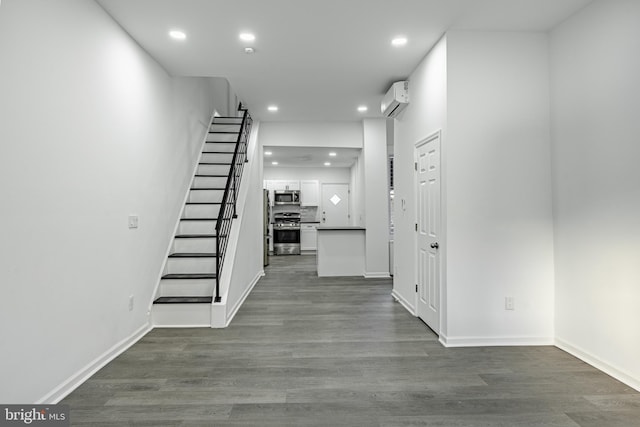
309	214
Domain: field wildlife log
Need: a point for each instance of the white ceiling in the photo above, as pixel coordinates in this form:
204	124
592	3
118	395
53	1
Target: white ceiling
310	157
317	60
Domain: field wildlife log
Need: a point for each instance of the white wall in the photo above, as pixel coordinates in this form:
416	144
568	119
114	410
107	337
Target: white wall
499	238
327	175
92	130
427	113
376	199
596	99
311	134
244	260
357	206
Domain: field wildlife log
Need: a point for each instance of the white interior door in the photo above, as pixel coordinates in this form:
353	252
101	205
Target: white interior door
428	230
335	204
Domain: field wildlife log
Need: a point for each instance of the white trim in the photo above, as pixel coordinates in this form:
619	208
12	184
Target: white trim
598	363
156	290
377	275
495	341
77	379
245	294
404	302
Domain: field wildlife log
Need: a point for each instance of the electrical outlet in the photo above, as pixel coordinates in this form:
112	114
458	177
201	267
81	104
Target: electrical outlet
133	221
130	302
509	303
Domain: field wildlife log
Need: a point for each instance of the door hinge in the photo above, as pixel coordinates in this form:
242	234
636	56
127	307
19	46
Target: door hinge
415	165
416	226
416	287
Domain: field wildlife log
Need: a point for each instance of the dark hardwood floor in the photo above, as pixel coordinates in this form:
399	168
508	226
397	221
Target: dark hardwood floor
309	351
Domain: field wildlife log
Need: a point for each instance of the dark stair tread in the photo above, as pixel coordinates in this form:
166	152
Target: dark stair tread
203	203
217	152
198	219
183	300
218	163
206	188
213	176
225	131
192	255
195	236
186	276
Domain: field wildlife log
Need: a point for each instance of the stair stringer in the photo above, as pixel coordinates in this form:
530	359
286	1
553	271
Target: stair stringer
156	290
237	278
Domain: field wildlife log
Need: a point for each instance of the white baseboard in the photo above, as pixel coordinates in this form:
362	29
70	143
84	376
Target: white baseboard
245	294
76	380
220	316
494	341
377	275
597	363
404	302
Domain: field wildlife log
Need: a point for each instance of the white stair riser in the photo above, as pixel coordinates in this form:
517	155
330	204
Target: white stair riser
195	245
197	227
219	127
169	315
208	196
217	158
228	147
201	211
227	121
190	265
209	182
213	170
222	137
187	287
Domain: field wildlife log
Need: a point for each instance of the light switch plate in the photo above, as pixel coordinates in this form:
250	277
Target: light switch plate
133	221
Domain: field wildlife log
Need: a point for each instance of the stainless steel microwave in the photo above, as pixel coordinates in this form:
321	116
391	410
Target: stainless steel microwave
286	197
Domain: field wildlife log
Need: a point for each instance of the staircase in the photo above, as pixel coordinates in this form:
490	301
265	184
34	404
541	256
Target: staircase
190	281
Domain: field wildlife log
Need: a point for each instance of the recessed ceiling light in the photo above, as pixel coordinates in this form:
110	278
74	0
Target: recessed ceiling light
272	108
399	41
177	35
274	163
362	108
268	153
327	163
247	37
333	154
249	50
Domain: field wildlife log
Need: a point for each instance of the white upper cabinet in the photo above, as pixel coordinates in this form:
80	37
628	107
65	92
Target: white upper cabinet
281	184
309	193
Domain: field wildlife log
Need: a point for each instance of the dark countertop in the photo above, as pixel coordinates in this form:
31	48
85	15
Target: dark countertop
336	227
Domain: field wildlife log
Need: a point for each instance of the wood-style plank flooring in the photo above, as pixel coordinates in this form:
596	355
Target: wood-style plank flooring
309	351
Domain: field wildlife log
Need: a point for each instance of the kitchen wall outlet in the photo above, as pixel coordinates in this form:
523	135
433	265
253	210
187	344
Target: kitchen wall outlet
130	302
509	303
133	221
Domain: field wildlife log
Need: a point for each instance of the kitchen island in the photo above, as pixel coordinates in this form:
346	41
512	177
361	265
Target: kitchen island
341	250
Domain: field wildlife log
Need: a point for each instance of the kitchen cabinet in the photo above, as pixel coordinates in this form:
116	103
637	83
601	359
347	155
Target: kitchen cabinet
309	193
309	237
282	184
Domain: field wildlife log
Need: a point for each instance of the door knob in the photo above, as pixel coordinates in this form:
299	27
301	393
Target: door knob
435	245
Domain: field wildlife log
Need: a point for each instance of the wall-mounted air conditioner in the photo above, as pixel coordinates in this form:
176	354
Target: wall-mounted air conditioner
396	99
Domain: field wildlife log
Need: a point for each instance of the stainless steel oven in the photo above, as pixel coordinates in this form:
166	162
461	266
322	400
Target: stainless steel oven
286	233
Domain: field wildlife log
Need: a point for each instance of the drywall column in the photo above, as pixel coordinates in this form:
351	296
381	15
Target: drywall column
498	189
376	198
596	184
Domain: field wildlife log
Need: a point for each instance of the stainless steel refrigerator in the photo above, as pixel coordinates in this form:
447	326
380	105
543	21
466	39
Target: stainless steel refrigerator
267	219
